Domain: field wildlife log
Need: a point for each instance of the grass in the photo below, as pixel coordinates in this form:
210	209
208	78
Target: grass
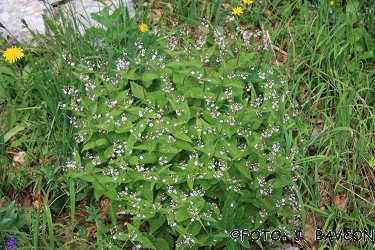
327	52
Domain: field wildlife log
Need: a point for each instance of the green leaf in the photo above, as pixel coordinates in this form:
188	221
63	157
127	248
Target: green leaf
195	228
240	155
227	130
247	57
199	124
133	160
52	24
183	145
11	116
121	95
145	242
137	91
184	64
236	85
86	176
196	92
169	239
231	145
124	128
112	213
227	222
181	136
156	222
239	214
371	162
168	149
88	146
4	221
355	36
190	182
148	158
178	78
12	132
132	229
368	39
281	182
142	147
232	245
146	191
103	17
7	71
172	103
359	46
148	76
198	202
156	95
352	7
98	194
153	145
109	190
131	74
366	55
204	150
131	141
101	142
187	113
220	156
161	243
243	170
182	214
351	66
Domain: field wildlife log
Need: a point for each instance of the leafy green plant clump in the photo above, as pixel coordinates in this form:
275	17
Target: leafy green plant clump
13	223
192	137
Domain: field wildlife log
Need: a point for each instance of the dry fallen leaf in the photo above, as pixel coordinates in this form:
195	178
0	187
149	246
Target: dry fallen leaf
225	6
310	236
309	233
91	230
26	201
340	200
104	204
19	158
155	15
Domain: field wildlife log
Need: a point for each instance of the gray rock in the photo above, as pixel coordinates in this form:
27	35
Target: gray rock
12	12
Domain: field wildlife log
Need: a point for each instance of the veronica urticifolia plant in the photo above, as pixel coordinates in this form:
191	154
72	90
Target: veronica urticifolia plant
193	138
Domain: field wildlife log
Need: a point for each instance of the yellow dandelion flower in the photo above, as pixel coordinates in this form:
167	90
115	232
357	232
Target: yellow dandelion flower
143	27
237	11
13	54
331	3
248	1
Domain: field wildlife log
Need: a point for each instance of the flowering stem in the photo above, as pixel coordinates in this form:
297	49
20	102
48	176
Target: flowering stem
218	94
204	82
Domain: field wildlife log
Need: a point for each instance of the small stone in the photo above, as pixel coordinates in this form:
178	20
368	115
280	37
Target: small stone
316	131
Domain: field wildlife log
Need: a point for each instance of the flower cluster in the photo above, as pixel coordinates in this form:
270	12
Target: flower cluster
11	243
